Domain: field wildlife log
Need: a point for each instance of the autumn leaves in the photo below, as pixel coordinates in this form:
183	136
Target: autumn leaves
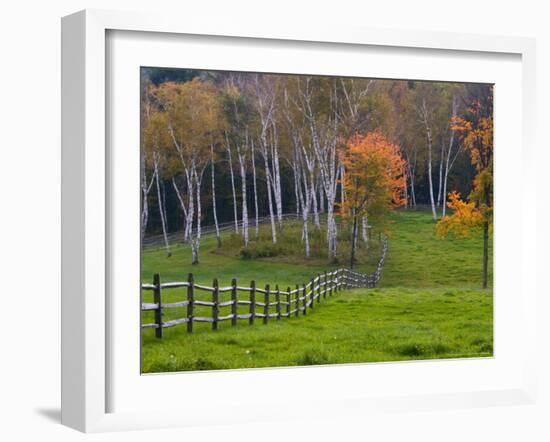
374	180
339	153
476	132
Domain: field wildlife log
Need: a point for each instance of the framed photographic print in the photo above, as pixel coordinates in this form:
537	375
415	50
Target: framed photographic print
256	214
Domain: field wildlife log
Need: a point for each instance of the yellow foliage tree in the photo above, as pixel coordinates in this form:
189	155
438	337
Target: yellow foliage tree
476	132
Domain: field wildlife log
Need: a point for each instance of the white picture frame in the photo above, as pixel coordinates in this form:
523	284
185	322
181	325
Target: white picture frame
86	352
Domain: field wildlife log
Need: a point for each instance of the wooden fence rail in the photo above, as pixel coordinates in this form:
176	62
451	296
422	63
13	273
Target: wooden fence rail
274	304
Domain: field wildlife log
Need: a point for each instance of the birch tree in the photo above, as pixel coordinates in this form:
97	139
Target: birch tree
425	113
213	184
323	119
253	157
238	115
193	120
147	152
264	103
476	133
233	191
155	142
302	161
451	154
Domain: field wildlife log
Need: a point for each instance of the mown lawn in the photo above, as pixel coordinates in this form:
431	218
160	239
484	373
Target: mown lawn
428	305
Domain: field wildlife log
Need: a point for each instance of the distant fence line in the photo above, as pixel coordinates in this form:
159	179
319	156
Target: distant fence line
299	300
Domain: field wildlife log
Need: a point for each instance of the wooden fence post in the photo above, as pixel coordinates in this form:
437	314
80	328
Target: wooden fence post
158	300
216	301
297	312
190	302
266	304
278	302
319	288
305	299
288	302
234	300
331	283
326	286
312	291
252	302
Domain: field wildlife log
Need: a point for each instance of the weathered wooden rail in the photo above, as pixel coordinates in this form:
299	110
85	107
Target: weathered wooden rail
273	303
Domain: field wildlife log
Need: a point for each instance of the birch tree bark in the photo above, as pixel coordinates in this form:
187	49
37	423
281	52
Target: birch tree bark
450	157
235	217
276	180
264	102
241	153
145	190
364	231
440	181
269	198
218	237
305	216
321	200
324	146
424	114
190	205
196	239
182	204
410	155
161	210
257	222
294	166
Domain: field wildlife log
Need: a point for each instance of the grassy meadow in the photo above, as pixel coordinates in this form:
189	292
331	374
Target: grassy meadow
429	302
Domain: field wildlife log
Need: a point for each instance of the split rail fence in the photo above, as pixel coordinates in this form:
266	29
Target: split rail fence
273	303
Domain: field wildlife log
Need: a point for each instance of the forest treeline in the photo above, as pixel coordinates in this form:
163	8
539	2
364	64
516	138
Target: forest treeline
223	147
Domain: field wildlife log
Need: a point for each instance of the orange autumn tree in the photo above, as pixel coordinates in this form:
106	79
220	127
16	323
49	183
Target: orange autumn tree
374	180
476	133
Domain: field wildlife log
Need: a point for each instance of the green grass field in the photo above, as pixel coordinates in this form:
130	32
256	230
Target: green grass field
429	304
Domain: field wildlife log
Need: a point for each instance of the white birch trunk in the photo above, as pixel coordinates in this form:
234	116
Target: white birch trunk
265	104
364	232
190	207
448	162
430	181
295	176
228	147
328	166
242	160
257	222
196	240
161	210
305	212
321	200
270	201
424	113
182	204
218	237
440	182
313	199
276	174
145	190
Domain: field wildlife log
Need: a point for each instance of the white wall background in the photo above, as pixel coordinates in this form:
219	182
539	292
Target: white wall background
30	216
